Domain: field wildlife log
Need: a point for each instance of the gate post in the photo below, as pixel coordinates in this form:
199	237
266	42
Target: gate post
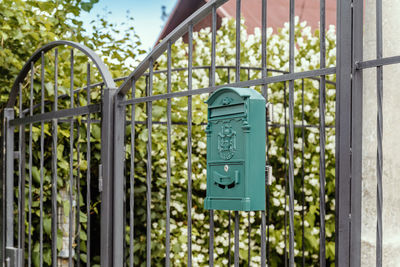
348	133
107	140
118	179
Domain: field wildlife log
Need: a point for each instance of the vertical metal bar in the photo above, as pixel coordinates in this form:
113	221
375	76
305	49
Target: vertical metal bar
322	101
356	132
213	44
343	132
88	176
9	172
248	238
302	176
268	222
237	240
263	230
71	161
119	192
379	130
41	162
78	199
189	147
19	167
237	66
264	45
237	79
30	169
168	193
212	83
149	165
21	195
265	94
132	184
285	169
291	137
211	241
229	237
54	167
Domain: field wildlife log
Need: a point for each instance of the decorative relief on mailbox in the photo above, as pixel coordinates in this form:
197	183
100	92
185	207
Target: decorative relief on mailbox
226	142
226	101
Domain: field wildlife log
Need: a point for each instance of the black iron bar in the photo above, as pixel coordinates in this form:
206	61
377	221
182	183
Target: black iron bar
212	84
149	165
285	168
291	137
248	238
265	94
229	237
21	186
41	163
78	199
213	44
168	194
322	104
22	158
237	240
71	162
132	185
302	176
88	174
379	129
237	43
211	241
237	79
30	169
189	146
54	166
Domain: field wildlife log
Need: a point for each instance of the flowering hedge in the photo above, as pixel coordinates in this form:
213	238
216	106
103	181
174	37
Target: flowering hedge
306	190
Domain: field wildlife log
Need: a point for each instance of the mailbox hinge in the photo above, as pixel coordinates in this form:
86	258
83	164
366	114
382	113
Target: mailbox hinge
268	175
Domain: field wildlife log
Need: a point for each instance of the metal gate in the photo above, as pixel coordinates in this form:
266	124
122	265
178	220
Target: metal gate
89	154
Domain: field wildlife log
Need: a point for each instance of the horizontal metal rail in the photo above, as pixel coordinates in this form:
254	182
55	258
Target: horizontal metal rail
71	112
267	80
377	62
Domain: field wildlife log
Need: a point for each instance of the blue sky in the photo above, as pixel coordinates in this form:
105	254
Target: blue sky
146	14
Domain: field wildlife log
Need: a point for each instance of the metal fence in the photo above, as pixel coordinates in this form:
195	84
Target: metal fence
81	156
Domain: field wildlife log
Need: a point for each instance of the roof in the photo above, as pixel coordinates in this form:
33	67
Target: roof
277	13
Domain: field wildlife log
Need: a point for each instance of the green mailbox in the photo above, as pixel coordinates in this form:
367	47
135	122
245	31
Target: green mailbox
235	150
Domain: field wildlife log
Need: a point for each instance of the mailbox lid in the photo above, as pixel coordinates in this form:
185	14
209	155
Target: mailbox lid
221	96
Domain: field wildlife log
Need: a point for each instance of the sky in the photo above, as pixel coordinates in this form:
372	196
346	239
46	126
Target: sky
146	14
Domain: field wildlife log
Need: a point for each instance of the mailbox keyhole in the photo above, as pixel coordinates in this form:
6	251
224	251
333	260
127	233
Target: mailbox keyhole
226	168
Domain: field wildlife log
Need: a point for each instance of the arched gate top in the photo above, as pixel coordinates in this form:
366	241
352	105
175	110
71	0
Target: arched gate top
105	73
